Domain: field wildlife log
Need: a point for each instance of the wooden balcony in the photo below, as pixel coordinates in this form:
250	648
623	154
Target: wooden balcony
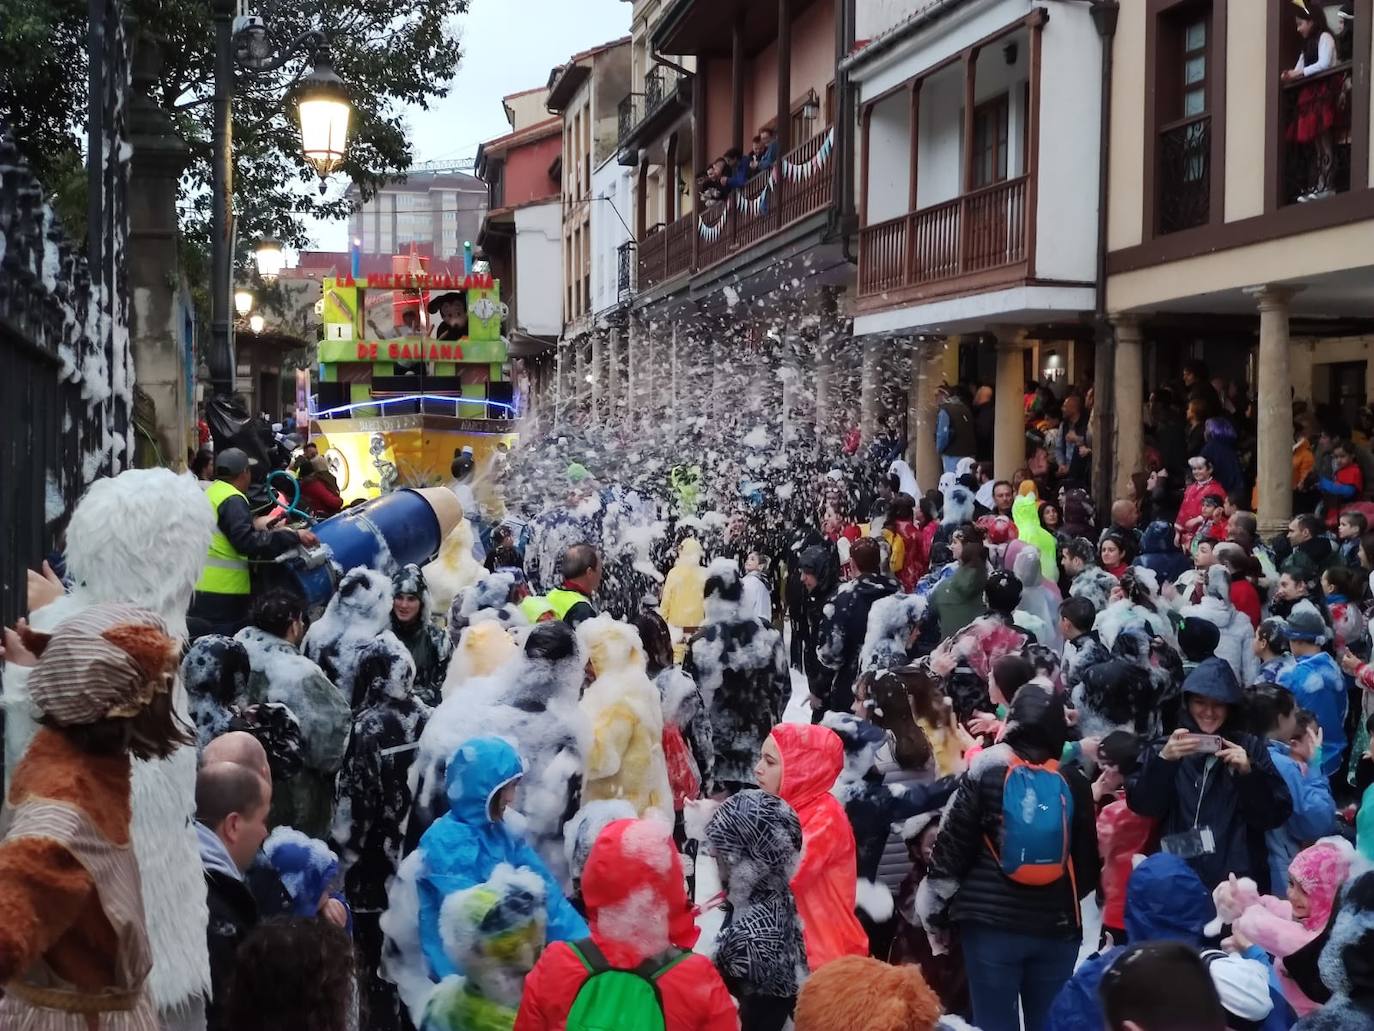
800	185
979	233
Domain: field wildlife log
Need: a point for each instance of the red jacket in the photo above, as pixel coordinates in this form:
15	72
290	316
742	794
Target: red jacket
318	499
1192	508
1246	599
1350	476
632	858
917	554
826	881
1121	834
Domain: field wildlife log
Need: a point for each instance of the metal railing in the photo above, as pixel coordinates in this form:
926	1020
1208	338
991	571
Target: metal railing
1315	133
979	231
1185	174
661	84
625	269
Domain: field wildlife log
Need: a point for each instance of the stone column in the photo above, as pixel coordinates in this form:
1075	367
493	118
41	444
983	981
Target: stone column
155	274
870	389
598	371
1128	404
1275	410
1009	434
613	390
580	389
825	382
927	373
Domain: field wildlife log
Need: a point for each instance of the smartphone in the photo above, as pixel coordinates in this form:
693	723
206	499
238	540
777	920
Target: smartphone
1208	743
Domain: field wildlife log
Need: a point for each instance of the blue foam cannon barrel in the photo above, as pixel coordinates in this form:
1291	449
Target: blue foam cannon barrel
386	533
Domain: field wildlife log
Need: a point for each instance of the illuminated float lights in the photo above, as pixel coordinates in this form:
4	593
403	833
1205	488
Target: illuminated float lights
382	402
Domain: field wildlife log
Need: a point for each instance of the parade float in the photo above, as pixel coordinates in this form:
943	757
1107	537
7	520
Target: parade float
392	403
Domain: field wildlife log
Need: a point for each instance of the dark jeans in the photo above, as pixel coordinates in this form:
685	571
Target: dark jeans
1005	968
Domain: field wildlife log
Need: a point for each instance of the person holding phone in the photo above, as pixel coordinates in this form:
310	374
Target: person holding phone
1211	783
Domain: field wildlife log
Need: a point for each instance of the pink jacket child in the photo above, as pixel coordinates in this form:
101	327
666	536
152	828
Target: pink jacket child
1282	926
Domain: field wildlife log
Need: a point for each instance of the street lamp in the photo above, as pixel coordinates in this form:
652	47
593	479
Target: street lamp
269	260
243	302
322	105
256	323
323	108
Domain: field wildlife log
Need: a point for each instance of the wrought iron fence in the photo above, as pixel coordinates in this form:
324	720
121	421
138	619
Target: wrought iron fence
630	112
66	371
1316	130
1185	174
660	84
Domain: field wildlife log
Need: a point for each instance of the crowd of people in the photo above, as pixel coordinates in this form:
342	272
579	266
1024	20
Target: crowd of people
977	755
733	169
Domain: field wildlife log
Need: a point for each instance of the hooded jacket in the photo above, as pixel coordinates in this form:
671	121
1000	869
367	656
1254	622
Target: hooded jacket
966	877
373	797
626	716
740	666
637	906
843	630
1158	553
1126	692
358	612
464	847
1347	963
1319	687
1314	813
215	673
1201	791
532	702
958	600
825	882
429	646
283	675
1165	901
1237	632
757	841
684	589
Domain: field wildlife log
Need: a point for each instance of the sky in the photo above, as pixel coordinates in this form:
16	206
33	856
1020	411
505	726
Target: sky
508	46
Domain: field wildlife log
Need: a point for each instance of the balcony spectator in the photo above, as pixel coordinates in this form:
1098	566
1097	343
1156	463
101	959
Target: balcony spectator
769	157
737	169
1345	31
1316	108
756	152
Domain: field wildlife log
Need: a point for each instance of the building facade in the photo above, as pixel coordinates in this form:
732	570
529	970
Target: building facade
1241	217
432	212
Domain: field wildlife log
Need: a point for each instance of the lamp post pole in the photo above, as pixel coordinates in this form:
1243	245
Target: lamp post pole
222	361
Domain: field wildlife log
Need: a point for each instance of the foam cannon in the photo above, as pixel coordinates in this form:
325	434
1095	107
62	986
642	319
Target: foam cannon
386	533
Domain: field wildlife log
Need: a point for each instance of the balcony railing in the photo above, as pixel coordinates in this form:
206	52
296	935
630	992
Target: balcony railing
661	85
800	184
630	112
1315	127
1185	174
978	232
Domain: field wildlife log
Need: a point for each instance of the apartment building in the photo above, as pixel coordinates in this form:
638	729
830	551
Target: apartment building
1240	216
979	157
432	212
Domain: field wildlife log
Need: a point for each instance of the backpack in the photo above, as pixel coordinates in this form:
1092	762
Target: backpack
619	1000
1037	814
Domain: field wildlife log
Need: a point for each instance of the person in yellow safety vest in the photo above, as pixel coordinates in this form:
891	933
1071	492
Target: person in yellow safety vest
572	603
225	588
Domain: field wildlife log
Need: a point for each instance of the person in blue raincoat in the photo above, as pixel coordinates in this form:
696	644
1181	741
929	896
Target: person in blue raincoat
462	848
1165	901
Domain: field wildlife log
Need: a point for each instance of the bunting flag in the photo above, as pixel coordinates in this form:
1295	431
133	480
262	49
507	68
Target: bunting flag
795	173
709	233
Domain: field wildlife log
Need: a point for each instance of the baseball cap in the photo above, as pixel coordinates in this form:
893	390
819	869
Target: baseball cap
233	461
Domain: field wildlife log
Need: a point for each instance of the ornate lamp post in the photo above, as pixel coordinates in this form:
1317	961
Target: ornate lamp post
324	112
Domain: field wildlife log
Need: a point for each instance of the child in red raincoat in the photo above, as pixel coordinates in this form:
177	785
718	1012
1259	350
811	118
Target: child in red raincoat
799	764
637	907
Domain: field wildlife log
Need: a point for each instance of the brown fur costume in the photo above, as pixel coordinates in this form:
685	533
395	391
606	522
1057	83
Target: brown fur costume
890	998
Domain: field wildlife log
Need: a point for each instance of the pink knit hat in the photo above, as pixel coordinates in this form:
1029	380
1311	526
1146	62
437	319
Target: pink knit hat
1320	870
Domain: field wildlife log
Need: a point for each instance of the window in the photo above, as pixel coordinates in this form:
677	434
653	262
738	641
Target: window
1194	68
990	128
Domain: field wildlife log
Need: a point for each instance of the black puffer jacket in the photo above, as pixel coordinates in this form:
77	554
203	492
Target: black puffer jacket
1201	791
966	883
842	633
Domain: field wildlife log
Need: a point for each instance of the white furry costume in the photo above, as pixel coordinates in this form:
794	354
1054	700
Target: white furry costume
142	537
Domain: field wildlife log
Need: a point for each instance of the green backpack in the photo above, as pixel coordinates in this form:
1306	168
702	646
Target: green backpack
619	1000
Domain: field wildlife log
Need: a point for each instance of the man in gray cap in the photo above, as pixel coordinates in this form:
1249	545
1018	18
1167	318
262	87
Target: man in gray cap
222	597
